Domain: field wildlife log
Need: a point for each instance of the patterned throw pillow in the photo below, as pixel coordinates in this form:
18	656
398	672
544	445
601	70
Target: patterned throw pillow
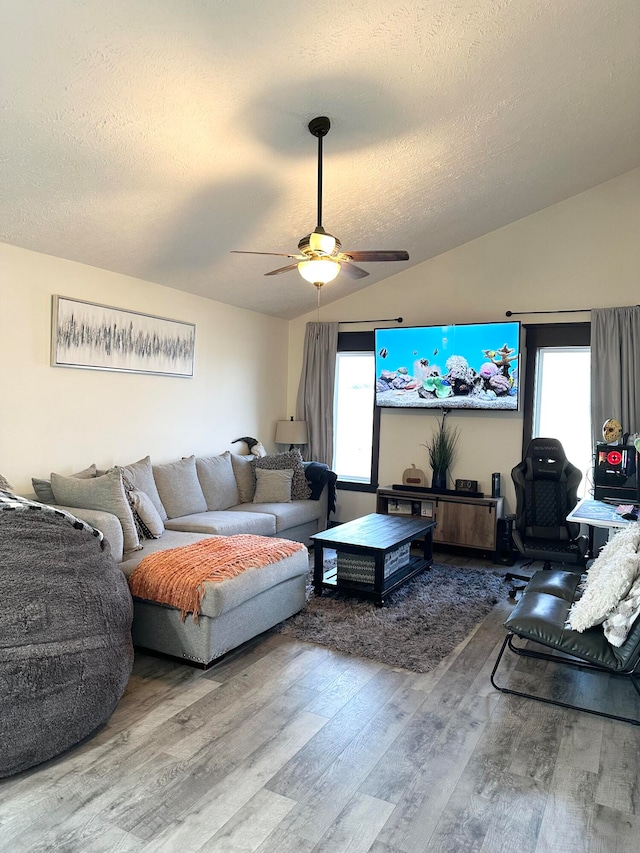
290	459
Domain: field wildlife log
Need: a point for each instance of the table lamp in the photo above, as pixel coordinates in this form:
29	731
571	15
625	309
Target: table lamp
291	432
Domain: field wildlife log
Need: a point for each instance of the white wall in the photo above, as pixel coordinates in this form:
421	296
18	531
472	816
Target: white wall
581	253
61	419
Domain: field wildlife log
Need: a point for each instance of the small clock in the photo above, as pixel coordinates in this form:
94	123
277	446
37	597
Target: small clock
466	485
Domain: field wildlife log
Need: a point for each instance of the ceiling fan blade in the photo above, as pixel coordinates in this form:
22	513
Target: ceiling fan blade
382	255
277	254
283	269
351	270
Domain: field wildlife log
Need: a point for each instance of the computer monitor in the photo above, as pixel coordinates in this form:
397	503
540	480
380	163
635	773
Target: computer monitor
614	473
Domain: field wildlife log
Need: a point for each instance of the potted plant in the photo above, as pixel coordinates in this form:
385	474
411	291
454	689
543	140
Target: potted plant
442	449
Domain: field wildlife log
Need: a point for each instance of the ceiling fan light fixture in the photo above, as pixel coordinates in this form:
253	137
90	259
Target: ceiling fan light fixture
320	241
319	271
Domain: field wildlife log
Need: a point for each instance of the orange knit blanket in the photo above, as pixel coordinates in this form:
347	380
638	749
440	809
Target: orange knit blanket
176	577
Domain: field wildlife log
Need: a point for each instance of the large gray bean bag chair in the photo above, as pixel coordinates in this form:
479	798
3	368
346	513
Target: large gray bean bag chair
65	632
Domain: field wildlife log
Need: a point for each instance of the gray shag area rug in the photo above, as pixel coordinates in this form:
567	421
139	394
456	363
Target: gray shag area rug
418	626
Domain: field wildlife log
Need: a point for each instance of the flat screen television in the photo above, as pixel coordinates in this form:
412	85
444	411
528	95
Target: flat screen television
468	366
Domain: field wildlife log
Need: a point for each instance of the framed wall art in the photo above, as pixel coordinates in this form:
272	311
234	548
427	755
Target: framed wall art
97	337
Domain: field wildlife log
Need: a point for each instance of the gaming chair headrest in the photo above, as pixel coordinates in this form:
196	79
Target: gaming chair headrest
545	460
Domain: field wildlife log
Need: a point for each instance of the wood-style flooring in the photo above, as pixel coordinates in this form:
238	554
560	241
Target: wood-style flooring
289	747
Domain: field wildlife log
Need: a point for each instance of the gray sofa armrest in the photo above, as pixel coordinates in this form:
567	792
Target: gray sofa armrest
107	523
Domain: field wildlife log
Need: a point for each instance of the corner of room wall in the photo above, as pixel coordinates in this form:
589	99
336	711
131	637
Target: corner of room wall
578	254
63	419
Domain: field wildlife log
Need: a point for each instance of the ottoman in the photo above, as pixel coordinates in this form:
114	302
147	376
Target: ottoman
231	611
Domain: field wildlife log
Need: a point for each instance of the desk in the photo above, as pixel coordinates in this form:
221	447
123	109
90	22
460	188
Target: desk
598	514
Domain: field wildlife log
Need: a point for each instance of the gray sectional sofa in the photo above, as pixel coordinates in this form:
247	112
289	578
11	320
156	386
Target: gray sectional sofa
142	508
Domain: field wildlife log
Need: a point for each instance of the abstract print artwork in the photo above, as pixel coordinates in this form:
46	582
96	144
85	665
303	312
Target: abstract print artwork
87	335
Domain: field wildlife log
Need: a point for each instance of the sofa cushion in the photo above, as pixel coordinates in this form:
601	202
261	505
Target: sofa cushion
105	493
223	596
290	459
225	523
43	490
218	481
179	488
273	486
286	514
141	475
170	539
245	476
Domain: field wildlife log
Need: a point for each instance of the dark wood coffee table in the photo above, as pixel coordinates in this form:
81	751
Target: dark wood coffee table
376	537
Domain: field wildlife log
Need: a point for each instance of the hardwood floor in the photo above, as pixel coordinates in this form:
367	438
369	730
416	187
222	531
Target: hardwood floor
288	747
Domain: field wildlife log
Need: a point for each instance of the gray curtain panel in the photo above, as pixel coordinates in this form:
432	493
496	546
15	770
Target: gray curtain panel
315	392
615	368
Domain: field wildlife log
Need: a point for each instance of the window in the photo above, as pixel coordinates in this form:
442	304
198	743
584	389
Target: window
562	409
356	420
558	391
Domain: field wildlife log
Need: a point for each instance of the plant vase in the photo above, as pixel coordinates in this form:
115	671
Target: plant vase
442	452
439	480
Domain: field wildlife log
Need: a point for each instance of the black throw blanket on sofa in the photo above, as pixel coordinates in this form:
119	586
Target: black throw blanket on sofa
318	476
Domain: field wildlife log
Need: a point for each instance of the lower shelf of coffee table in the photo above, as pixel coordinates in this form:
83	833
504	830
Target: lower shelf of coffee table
395	580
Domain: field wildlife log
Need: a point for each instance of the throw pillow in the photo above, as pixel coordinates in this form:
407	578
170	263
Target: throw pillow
4	485
141	475
218	481
43	490
105	493
179	488
273	486
245	475
609	579
146	517
142	505
621	619
290	459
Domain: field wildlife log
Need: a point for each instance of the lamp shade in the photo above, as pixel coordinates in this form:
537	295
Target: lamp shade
319	271
291	432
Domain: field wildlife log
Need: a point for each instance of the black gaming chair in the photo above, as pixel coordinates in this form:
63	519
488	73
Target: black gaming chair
546	485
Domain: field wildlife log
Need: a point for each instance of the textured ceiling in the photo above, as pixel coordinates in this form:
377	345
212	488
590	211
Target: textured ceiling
151	137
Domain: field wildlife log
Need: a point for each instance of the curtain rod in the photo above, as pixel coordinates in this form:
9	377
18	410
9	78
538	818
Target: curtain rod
563	311
385	320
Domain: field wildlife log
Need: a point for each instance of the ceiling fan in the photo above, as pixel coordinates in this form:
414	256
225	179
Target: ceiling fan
321	257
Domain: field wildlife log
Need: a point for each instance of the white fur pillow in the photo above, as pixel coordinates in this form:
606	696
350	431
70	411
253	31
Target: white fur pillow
608	580
620	621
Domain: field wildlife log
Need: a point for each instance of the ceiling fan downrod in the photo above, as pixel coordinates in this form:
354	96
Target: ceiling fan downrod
319	127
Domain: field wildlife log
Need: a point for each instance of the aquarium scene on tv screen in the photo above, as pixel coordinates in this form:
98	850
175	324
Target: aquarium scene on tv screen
470	366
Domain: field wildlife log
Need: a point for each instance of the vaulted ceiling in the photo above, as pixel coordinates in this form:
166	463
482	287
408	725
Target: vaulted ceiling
151	137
